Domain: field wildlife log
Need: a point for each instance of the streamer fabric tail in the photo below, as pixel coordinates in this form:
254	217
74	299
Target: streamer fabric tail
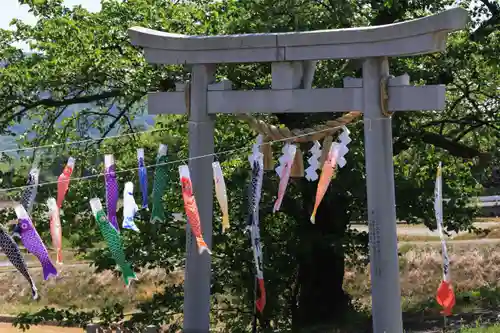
143	177
29	193
113	239
33	243
130	208
326	176
111	190
260	302
12	252
191	209
445	295
63	181
159	185
254	196
55	229
221	194
283	170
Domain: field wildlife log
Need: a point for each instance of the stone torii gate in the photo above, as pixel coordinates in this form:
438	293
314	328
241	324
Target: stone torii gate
293	57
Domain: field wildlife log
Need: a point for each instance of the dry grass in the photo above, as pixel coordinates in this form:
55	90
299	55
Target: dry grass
69	257
417	238
475	271
8	328
472	267
487	219
493	233
78	286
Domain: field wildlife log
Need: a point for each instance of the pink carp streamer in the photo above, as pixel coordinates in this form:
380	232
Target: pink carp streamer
63	181
283	171
55	229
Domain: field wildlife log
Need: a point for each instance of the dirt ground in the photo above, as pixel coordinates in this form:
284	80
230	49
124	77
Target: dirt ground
8	328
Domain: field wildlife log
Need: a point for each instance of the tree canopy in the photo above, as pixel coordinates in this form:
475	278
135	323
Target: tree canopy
85	75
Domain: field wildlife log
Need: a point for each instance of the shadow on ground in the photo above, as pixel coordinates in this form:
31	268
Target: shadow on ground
477	308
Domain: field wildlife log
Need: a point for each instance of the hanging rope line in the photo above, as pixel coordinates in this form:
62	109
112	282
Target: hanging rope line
317	132
184	160
70	143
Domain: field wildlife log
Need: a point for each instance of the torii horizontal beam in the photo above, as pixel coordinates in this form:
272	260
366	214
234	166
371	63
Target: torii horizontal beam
220	99
419	36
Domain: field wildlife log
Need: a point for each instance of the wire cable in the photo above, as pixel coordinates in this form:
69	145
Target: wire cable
226	152
70	143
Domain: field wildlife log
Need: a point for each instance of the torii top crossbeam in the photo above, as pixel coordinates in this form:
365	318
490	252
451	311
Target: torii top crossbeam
419	36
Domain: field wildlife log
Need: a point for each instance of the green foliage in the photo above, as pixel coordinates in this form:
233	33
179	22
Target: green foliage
85	60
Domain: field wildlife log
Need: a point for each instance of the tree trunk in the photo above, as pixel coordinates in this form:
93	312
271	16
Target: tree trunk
319	295
321	299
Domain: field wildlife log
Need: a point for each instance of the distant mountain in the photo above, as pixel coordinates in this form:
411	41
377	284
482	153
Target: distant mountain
9	142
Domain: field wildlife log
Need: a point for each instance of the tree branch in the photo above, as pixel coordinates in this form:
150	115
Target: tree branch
454	148
494	9
466	131
97	113
49	102
117	118
489	25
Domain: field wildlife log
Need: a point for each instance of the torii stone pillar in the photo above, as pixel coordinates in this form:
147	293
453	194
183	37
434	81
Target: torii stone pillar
293	56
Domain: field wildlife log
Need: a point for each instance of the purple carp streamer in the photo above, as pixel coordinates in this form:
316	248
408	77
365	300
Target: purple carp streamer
111	190
32	242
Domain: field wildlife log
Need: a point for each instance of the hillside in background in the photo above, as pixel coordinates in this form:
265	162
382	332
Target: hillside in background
7	142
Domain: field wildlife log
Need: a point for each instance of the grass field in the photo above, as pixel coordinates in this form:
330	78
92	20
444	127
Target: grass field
491	329
77	286
7	328
493	233
475	271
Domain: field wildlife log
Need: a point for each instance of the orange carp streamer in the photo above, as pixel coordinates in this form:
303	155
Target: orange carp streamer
446	297
191	209
325	178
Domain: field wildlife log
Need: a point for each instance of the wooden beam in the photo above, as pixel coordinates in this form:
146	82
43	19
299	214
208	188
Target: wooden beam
401	98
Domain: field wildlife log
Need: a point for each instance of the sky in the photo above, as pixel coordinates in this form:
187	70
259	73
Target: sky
11	9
